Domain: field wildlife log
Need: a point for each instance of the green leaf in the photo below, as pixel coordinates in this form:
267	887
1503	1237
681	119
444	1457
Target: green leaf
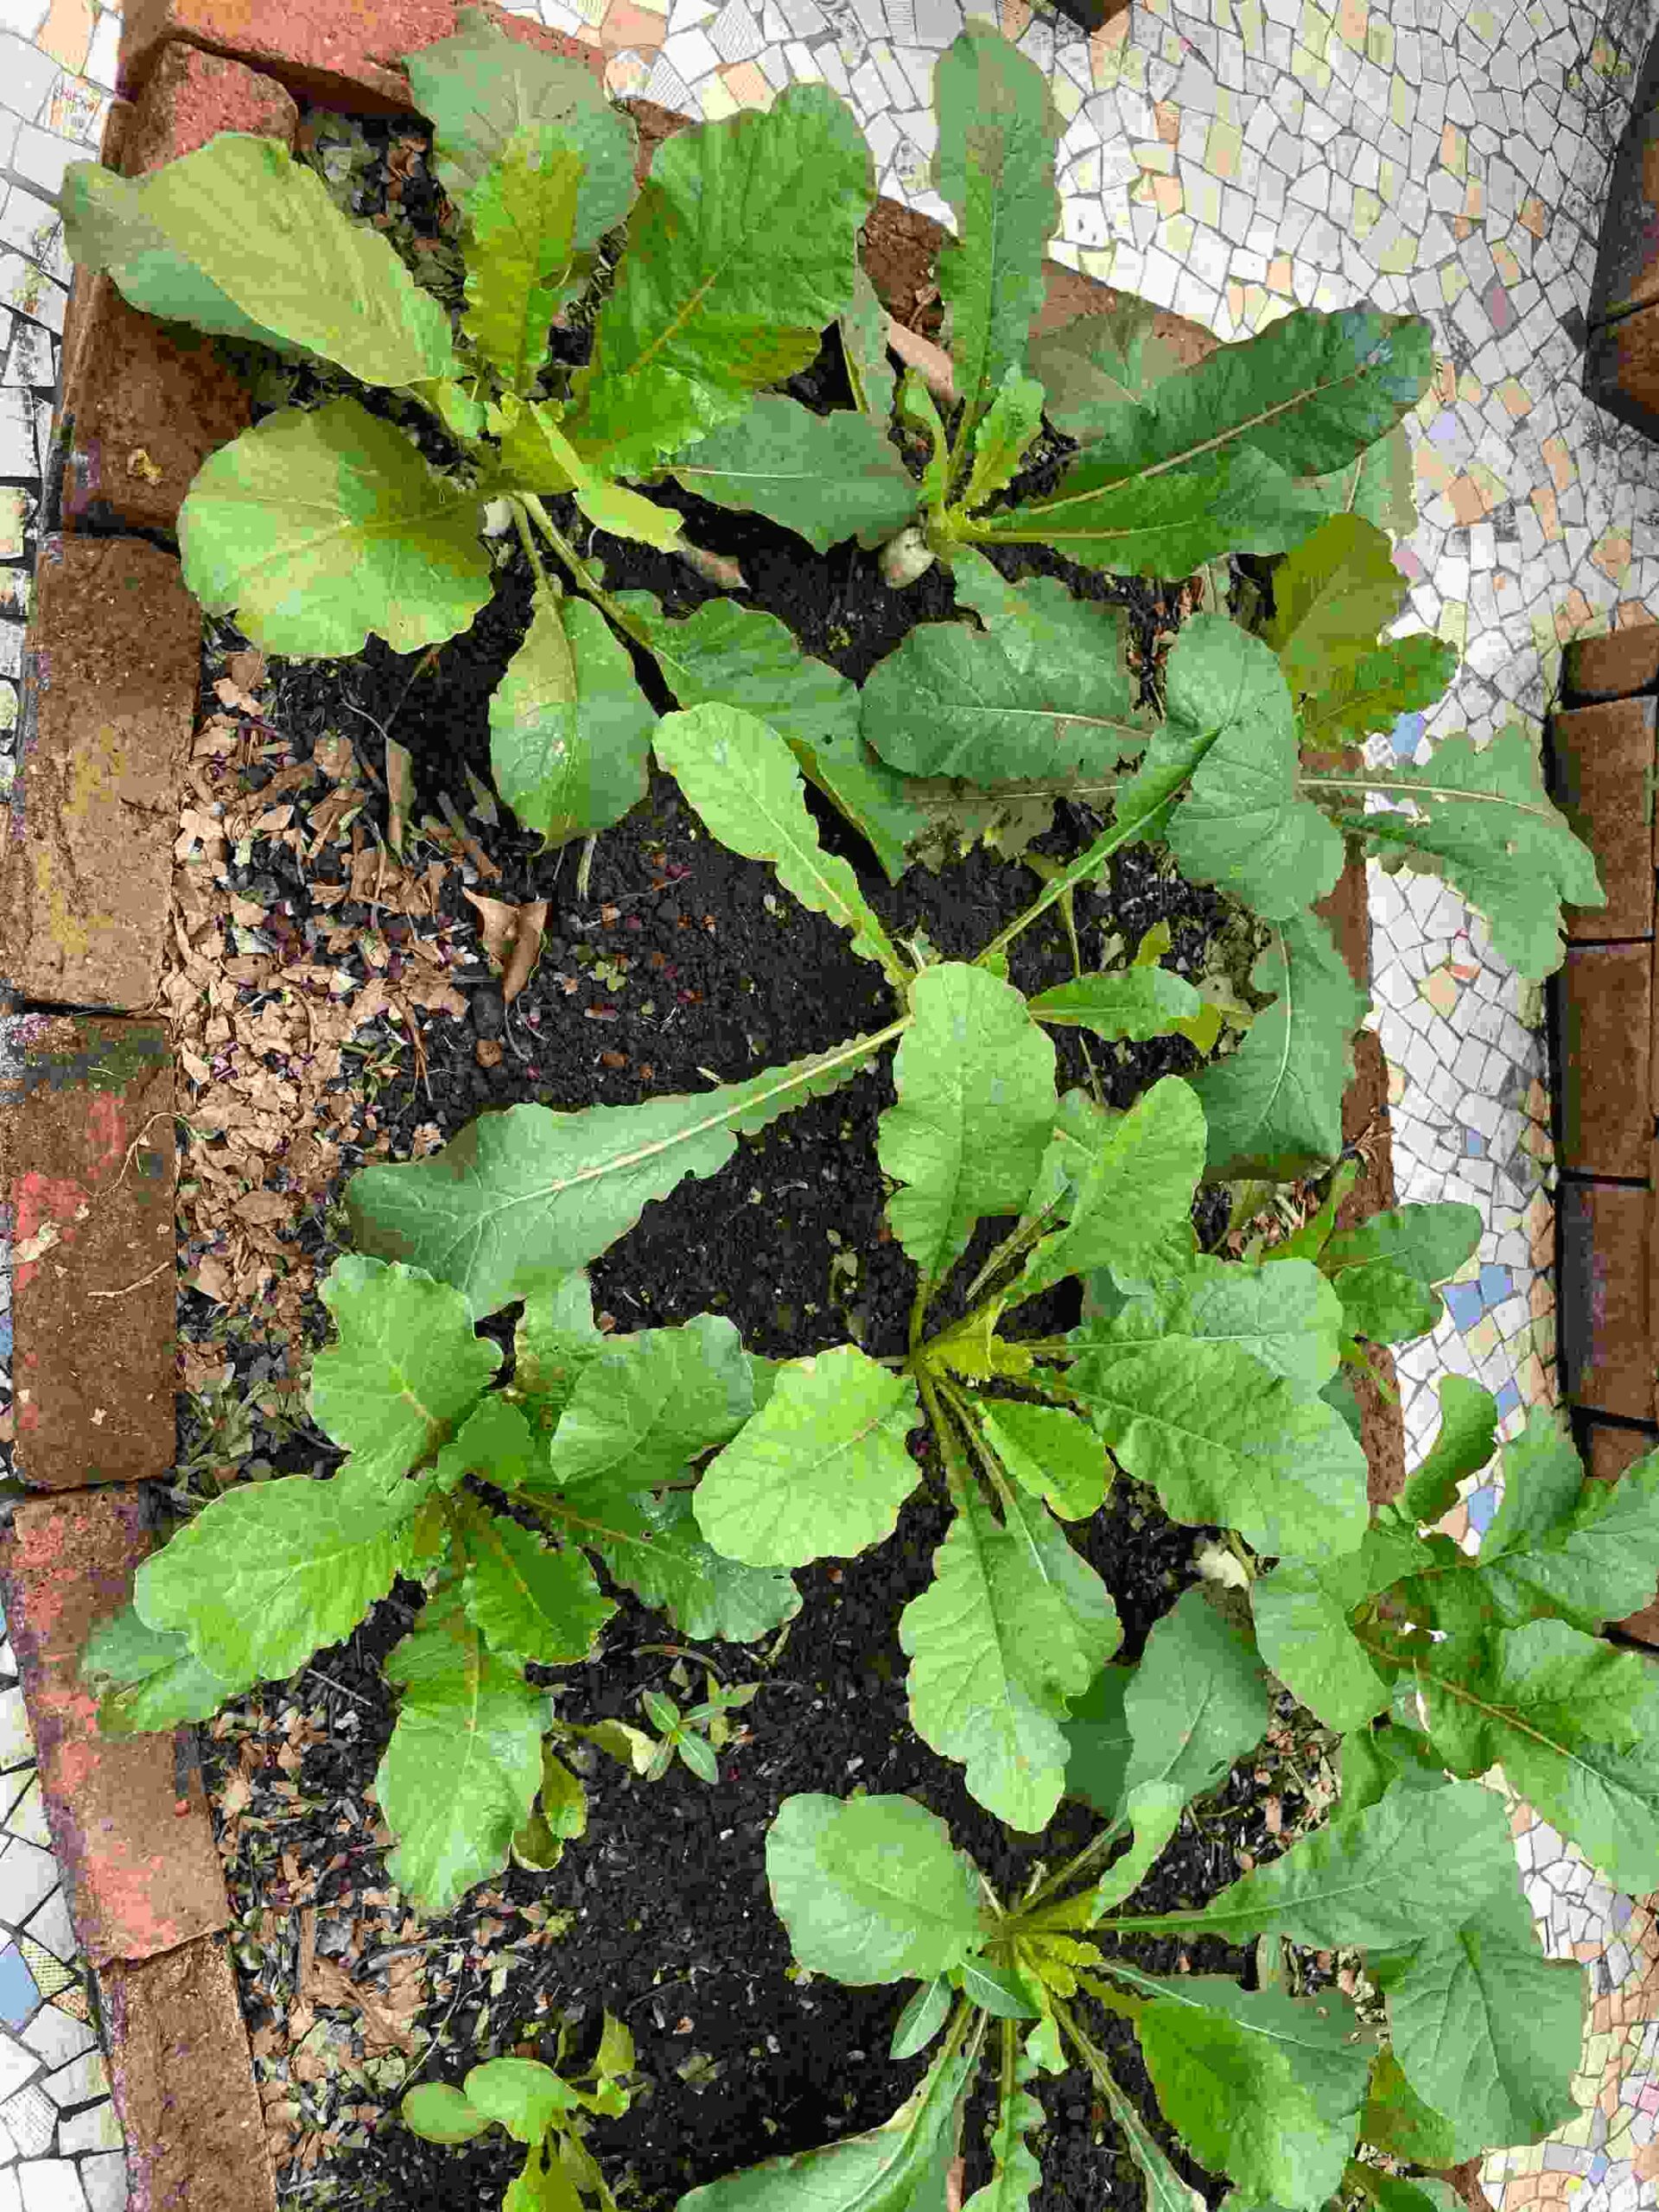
1264	2087
1301	1626
1132	1002
871	1889
553	1340
1133	1197
522	222
1572	1721
1043	692
740	775
1397	2120
1051	1558
1287	1317
480	88
148	1679
826	477
1197	1702
525	2097
244	241
919	414
1096	362
1154	1809
570	730
319	526
821	1471
530	1600
1464	1443
1098	1743
1274	1106
440	2114
1332	595
1385	1304
1223	1439
269	1572
921	2019
996	1990
1015	2174
1228	749
665	1563
864	348
460	1773
516	1201
1379	484
998	131
740	248
1371	693
1429	1242
995	1653
494	1441
1206	463
1165	2190
1050	1452
1485	2028
1483	821
1591	1555
974	1079
898	2167
405	1370
1012	422
648	1401
542	2184
1387	1876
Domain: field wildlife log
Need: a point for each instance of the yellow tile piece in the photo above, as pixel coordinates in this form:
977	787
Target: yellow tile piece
1453	624
1517	400
1098	261
1387	181
1379	42
1066	96
1507	267
1202	199
717	102
1403	108
1482	1340
1471	391
1314	30
1398	256
1307	69
1222	149
1493	490
1178	237
1367	213
1152	154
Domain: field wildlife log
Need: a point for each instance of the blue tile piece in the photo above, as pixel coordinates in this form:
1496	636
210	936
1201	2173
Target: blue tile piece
1407	735
1474	1144
1483	1504
1465	1301
1495	1284
19	1995
1508	1399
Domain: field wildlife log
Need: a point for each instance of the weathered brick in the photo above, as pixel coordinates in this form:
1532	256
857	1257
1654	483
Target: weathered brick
190	96
1603	766
1602	1000
184	2086
1616	666
1606	1298
86	1174
1627	259
1610	1448
128	1816
343	51
1621	370
109	700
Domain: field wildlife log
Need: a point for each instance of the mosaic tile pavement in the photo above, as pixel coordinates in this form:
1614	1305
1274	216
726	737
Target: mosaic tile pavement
1230	159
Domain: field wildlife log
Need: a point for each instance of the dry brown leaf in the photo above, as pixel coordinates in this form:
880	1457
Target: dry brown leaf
526	948
497	926
246	670
400	790
330	1985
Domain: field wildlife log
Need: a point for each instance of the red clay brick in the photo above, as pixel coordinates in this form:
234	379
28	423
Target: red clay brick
109	700
1606	1297
129	1818
184	2086
86	1174
190	96
1603	994
1621	370
1610	1448
1603	763
1616	666
340	51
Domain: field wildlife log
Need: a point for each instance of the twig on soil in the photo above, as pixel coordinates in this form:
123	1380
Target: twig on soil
475	852
128	1288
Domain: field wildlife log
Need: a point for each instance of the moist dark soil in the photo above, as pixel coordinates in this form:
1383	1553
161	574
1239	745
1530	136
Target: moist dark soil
675	964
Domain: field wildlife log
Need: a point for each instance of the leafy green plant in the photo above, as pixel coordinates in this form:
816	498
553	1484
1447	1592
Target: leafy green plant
696	1734
543	2110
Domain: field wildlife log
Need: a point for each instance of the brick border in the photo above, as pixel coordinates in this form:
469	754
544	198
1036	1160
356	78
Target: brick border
84	1100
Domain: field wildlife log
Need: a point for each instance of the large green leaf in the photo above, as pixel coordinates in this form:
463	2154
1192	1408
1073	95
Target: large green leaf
826	477
871	1888
664	1561
1098	1743
1332	595
1197	1702
553	1340
460	1773
530	1600
1485	823
1008	428
269	1572
317	527
648	1403
1385	1304
495	1441
1274	1106
998	130
1132	1201
1264	2087
1466	1440
1133	1002
1379	484
1301	1612
520	244
1096	362
1206	463
519	1198
975	1078
821	1471
1573	1723
1398	2120
406	1367
1371	693
148	1678
1227	756
1221	1438
571	729
1595	1558
480	87
741	776
1050	1452
242	240
1051	1558
995	1652
1484	2028
1429	1242
740	248
1042	692
864	348
1287	1316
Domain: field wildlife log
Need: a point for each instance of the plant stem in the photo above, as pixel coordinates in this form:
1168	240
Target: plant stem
580	575
976	1443
957	1474
1096	1847
526	538
1086	864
